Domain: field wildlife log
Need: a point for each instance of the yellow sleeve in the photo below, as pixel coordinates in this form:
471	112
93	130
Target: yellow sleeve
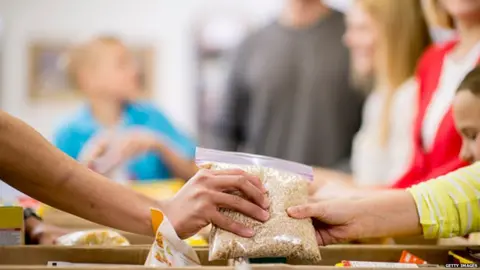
449	206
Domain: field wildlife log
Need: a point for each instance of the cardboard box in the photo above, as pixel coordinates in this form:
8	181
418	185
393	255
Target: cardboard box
416	240
11	226
136	255
253	267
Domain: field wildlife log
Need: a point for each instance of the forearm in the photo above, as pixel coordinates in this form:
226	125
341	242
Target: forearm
181	167
388	213
32	165
449	205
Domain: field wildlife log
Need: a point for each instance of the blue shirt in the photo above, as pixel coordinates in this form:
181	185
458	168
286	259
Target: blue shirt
79	129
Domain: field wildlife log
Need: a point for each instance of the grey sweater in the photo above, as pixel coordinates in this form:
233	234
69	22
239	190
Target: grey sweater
289	95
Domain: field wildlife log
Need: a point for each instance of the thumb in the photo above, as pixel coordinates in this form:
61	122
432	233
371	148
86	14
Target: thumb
305	211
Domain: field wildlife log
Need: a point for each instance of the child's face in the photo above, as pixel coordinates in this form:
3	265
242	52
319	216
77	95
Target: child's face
466	113
113	73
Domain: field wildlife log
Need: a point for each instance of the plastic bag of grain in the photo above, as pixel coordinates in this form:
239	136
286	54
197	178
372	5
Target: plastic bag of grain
281	236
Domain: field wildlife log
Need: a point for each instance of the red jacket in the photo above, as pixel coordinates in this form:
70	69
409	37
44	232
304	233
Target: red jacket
444	154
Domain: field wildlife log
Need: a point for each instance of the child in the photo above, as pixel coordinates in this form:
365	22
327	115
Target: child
466	114
143	141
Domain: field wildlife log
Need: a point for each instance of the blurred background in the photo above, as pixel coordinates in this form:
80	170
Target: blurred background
184	50
180	34
333	84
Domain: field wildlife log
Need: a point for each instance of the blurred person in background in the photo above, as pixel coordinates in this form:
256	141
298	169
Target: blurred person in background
437	143
443	207
114	124
377	30
439	21
440	70
466	112
289	95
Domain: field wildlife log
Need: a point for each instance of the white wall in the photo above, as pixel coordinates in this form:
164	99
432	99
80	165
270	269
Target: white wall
166	23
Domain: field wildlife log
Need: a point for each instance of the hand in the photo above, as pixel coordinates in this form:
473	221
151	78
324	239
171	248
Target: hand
109	150
197	204
205	232
42	233
50	235
136	142
335	221
94	149
382	214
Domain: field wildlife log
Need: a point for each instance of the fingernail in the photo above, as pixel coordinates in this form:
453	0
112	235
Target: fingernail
265	215
293	210
248	232
266	203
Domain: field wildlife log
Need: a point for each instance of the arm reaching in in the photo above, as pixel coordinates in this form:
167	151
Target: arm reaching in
342	220
444	207
32	165
449	206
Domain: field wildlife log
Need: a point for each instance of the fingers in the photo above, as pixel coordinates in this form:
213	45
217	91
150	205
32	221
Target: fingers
95	147
134	144
127	149
242	183
319	238
230	225
234	202
98	151
251	178
308	210
92	153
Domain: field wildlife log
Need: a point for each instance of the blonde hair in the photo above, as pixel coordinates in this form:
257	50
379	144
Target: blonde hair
403	36
81	53
437	15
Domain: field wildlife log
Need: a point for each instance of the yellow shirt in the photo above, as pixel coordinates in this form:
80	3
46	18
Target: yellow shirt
449	205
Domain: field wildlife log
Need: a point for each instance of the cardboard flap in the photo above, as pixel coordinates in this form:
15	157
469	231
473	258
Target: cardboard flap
254	267
136	255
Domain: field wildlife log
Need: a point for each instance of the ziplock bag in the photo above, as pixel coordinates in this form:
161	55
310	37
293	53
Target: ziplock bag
281	236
